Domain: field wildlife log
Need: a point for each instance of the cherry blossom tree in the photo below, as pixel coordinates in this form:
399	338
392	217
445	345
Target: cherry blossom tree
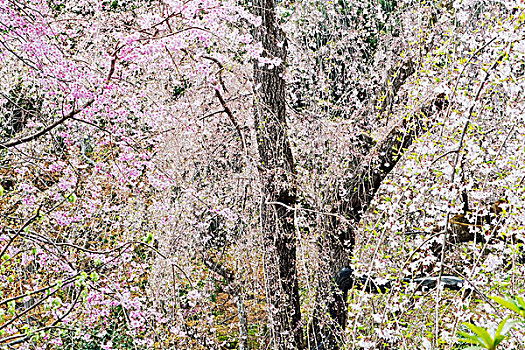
188	174
343	170
91	90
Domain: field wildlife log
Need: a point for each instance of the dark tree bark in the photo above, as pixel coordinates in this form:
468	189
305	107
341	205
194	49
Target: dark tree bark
278	187
277	174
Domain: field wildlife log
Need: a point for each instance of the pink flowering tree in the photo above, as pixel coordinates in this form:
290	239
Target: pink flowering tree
94	91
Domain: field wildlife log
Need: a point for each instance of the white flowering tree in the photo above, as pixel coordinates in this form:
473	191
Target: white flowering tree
208	174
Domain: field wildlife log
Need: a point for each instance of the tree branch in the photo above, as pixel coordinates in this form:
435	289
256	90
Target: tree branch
362	187
70	115
47	129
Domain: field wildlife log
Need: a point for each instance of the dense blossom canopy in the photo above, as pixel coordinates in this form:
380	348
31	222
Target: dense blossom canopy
130	189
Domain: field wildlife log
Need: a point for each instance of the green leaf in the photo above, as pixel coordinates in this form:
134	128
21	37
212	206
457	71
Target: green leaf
511	305
521	303
81	278
484	337
72	198
94	276
1	191
498	339
468	338
56	302
11	307
149	238
503	328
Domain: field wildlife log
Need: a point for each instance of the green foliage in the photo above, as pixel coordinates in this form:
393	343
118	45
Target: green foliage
518	305
57	6
148	238
72	198
482	338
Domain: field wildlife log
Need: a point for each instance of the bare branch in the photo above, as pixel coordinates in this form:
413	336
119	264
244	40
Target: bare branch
47	129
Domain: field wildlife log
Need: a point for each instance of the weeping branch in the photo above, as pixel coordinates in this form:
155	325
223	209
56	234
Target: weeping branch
355	193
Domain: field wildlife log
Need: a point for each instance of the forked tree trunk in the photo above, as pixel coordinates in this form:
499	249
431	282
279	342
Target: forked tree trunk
277	176
338	243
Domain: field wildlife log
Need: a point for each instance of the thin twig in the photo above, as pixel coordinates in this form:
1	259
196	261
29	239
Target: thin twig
304	209
445	237
27	223
44	328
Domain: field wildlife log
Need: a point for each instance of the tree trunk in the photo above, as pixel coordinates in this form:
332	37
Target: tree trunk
278	186
243	321
337	244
